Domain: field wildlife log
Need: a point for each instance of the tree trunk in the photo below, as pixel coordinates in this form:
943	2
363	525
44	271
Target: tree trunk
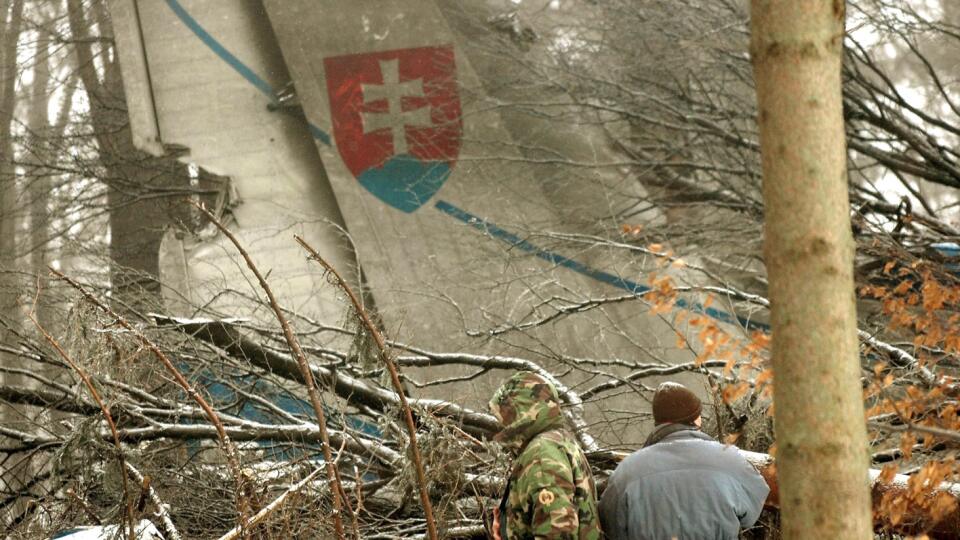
808	249
11	23
39	184
16	473
139	197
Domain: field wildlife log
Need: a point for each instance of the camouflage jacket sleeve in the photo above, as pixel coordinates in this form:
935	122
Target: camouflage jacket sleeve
543	497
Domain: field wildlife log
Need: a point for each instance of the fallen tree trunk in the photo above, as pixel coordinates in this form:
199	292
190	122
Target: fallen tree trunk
225	336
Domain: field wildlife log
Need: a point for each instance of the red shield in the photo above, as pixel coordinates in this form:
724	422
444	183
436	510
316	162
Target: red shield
396	120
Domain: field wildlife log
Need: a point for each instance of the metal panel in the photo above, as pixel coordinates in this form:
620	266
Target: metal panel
464	259
208	70
136	75
431	275
447	229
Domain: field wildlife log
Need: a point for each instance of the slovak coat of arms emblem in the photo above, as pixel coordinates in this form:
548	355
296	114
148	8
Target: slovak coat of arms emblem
397	120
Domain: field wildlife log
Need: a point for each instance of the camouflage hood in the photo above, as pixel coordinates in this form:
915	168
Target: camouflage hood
527	405
550	491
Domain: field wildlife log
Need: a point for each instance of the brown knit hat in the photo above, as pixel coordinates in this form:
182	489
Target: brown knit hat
674	404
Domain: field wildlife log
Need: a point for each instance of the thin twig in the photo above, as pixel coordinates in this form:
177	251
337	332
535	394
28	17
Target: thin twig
340	502
168	527
272	507
948	434
85	506
144	491
225	444
131	523
361	314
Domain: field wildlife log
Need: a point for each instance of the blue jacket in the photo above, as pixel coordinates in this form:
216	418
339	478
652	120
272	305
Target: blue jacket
684	485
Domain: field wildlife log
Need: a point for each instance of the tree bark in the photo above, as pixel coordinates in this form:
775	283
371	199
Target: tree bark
141	189
11	17
808	250
10	20
40	184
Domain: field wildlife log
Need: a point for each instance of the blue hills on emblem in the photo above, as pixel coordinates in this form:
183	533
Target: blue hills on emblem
404	182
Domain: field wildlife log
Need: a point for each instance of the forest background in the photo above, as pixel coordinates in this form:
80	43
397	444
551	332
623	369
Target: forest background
666	86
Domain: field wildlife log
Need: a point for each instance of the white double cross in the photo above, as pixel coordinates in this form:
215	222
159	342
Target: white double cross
395	118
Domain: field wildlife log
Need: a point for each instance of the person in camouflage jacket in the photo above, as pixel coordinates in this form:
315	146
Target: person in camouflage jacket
550	492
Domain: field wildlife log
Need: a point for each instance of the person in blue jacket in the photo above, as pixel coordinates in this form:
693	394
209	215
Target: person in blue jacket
682	484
